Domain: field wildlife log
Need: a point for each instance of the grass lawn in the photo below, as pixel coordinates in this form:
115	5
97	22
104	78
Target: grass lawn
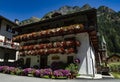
116	75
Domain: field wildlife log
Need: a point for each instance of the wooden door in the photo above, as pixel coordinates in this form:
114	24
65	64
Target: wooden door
70	59
28	62
43	61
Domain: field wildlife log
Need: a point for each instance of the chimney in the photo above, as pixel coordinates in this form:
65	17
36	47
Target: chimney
16	21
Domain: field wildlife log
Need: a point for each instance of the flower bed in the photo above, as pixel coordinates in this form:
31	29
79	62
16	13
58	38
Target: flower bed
48	72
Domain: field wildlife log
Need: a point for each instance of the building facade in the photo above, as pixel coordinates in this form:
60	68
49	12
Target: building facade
113	59
62	38
7	47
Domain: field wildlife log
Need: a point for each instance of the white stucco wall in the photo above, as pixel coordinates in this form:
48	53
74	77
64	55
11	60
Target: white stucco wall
63	58
2	38
34	60
85	54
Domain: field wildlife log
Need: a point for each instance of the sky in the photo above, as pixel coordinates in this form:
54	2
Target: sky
24	9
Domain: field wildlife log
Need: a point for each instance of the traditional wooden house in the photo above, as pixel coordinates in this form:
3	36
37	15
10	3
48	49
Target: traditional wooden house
61	38
113	59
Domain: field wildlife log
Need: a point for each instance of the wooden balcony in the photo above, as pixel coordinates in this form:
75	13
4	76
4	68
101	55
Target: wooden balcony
8	44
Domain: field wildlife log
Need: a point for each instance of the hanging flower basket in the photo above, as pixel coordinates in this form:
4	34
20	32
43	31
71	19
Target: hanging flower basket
63	44
70	30
58	31
34	35
43	33
55	44
69	51
51	32
49	45
78	28
61	50
58	44
41	46
24	37
50	51
69	43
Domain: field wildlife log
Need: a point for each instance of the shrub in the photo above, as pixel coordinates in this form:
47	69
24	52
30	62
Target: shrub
65	72
114	67
5	69
58	65
73	68
1	68
37	73
11	70
48	71
61	73
57	73
18	71
28	71
41	72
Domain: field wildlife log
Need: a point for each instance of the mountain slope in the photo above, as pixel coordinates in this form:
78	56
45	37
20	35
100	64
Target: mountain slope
109	26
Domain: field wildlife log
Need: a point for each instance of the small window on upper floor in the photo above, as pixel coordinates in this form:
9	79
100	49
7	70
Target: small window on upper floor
13	31
9	29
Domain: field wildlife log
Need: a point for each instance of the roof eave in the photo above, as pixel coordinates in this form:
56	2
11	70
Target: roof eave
80	12
3	18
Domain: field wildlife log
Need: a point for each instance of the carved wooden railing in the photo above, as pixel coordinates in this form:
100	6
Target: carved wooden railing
9	44
72	29
64	47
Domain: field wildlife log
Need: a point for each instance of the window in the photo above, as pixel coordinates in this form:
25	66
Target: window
111	60
55	57
117	60
28	62
70	59
114	58
9	39
6	57
13	31
9	29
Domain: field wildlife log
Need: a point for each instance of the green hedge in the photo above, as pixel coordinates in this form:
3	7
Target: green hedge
114	67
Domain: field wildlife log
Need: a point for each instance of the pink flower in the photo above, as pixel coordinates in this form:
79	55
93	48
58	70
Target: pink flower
76	60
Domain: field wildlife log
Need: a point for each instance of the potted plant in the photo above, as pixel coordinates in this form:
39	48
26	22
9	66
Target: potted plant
73	68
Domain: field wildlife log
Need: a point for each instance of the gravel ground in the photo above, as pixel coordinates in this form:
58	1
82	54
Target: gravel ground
14	78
